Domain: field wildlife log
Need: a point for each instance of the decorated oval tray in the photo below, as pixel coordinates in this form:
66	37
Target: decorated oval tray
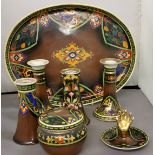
71	36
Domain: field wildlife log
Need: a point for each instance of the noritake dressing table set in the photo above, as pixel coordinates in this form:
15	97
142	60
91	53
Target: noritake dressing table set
62	59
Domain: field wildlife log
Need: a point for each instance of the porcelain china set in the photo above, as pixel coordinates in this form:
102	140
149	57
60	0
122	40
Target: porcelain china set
62	58
64	128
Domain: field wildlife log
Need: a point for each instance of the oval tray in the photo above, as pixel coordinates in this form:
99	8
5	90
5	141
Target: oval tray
71	36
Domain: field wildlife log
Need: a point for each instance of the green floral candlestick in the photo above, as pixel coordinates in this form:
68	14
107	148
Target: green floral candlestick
71	92
109	107
26	131
38	66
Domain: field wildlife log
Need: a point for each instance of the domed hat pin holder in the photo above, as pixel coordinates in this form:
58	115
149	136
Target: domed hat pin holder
71	92
26	131
123	136
108	109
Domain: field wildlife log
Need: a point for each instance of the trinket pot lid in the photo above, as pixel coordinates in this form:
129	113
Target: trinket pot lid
61	119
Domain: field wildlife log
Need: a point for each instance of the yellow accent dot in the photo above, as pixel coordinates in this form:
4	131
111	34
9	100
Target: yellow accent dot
23	45
125	44
106	28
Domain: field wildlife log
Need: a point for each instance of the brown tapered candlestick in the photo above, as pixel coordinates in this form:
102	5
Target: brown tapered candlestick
38	66
109	107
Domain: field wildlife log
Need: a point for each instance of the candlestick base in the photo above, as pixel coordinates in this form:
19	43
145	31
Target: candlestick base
105	115
108	109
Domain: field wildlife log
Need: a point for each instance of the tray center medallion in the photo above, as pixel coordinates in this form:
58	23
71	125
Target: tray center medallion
72	55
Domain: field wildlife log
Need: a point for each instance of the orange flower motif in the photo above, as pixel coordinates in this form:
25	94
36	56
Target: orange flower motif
111	78
95	20
23	107
67	88
82	89
59	140
74	87
33	21
106	28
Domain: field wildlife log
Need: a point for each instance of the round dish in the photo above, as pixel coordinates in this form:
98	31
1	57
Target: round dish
110	136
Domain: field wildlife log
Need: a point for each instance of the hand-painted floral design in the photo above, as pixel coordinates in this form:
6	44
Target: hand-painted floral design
67	88
82	90
71	120
124	54
113	34
72	55
26	36
82	132
44	20
98	90
120	72
71	91
21	71
17	57
65	138
49	139
71	94
126	63
110	78
108	103
23	108
95	20
49	93
72	138
72	106
71	19
59	140
74	87
71	77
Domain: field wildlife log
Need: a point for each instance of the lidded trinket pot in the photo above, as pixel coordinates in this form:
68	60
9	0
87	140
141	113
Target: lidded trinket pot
62	131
